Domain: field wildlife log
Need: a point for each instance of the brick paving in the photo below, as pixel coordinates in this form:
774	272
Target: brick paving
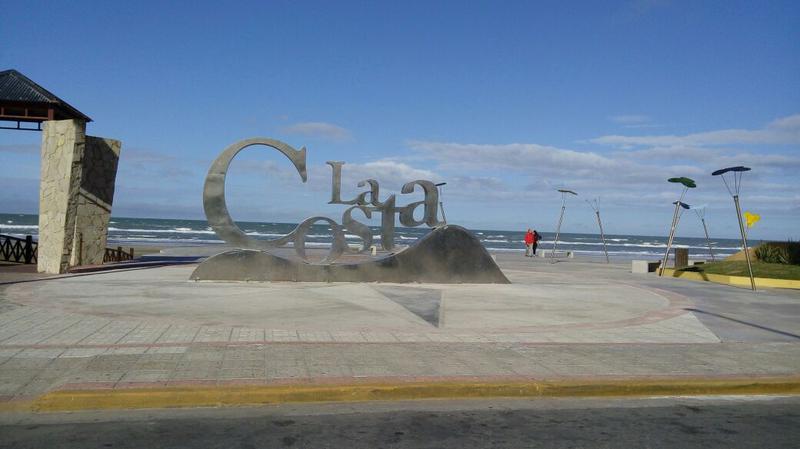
53	342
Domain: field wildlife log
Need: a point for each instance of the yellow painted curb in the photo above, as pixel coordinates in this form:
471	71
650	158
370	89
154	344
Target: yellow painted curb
16	406
738	281
166	397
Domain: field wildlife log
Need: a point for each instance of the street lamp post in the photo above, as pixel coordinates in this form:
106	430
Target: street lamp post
733	188
564	193
687	184
701	214
595	205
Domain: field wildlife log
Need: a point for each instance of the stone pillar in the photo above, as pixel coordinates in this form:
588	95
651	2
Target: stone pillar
98	175
63	144
76	193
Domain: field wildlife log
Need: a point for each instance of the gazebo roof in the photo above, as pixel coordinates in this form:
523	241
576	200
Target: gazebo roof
23	100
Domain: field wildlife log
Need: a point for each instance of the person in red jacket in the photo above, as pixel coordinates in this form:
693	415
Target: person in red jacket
529	242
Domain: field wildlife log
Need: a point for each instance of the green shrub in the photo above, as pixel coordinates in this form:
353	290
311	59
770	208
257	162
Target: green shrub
779	252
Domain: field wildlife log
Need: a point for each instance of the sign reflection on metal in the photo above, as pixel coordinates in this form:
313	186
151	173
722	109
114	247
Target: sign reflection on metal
368	202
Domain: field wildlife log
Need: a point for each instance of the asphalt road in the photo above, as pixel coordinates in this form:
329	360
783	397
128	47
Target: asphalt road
729	422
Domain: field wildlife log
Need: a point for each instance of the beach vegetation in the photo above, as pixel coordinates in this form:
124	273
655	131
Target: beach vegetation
739	268
787	253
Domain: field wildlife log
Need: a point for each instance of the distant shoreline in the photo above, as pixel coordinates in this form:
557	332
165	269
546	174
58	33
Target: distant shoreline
164	233
475	229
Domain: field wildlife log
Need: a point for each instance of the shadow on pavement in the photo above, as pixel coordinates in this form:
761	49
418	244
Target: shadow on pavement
768	329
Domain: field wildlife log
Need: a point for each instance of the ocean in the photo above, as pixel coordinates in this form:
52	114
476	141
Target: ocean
170	232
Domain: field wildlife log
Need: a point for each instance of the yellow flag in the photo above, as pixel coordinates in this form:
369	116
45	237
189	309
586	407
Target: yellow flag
751	219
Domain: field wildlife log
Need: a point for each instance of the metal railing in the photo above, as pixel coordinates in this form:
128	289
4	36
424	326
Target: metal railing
15	249
19	250
117	255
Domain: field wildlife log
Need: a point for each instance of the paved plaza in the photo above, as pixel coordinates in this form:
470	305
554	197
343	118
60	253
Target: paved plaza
574	319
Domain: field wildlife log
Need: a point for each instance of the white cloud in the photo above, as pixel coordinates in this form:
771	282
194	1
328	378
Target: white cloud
389	171
477	183
785	131
547	167
677	152
791	122
391	175
717	148
319	130
634	121
761	160
713	156
514	156
630	178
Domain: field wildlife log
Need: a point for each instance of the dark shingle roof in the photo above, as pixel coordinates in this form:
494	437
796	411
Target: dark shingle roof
17	87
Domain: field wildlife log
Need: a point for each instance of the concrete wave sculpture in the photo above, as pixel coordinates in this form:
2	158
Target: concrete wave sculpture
447	255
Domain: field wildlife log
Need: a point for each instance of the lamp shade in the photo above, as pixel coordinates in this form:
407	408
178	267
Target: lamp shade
688	182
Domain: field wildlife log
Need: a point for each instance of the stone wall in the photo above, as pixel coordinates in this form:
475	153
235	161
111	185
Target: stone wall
75	196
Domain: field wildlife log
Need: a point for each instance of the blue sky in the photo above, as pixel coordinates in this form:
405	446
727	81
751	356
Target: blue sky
505	101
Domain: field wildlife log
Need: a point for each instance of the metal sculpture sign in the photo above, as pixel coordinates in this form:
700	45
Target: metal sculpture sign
367	202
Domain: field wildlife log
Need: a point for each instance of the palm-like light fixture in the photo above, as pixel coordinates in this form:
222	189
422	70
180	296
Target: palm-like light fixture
732	177
700	211
564	193
595	205
687	184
